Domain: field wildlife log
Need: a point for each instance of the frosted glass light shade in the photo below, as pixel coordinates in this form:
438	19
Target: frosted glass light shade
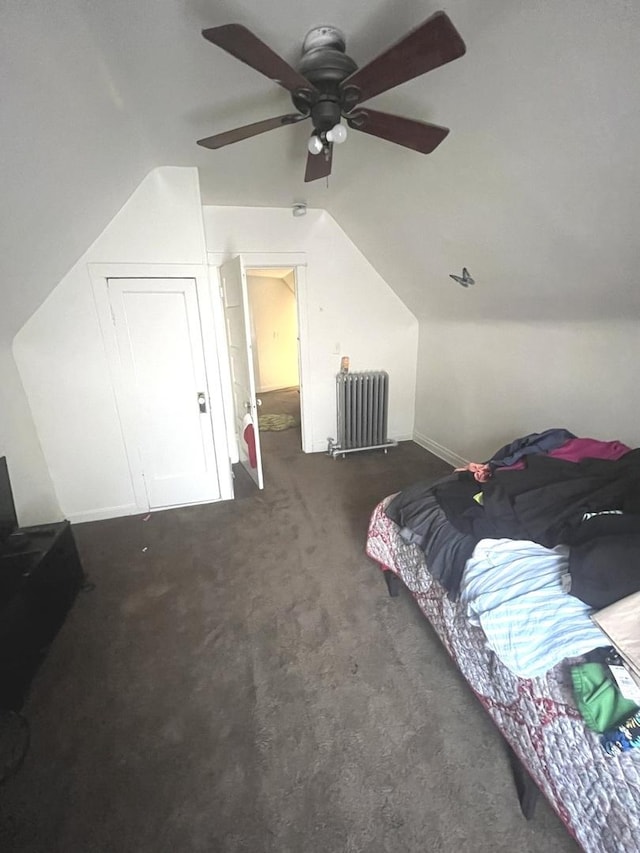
314	144
337	134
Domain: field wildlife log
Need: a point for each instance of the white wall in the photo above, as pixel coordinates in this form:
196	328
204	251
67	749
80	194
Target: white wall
482	384
32	488
275	329
61	356
73	149
350	309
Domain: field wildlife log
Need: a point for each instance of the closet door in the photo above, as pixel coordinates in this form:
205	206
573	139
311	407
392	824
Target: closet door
163	384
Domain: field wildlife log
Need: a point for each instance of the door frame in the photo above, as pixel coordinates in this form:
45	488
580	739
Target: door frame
99	275
264	260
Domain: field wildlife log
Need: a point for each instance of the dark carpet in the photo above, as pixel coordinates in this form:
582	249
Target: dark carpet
246	684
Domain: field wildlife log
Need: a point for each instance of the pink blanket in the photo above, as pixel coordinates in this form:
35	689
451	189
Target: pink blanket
580	448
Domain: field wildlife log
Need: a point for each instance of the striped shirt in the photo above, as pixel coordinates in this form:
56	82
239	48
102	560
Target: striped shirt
513	590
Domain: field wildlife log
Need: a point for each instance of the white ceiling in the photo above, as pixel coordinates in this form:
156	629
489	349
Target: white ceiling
536	190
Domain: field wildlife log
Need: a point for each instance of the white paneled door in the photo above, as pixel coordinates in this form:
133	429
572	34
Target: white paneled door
163	388
238	322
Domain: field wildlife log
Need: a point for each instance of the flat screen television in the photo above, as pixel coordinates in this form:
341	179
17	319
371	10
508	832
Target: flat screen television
8	517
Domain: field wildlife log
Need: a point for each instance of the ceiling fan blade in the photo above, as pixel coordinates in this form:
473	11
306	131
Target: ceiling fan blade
419	135
318	165
239	133
433	43
241	43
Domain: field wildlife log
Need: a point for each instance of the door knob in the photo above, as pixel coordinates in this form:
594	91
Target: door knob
202	402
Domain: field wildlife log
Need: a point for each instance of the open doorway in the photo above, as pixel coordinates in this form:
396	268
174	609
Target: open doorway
274	337
255	334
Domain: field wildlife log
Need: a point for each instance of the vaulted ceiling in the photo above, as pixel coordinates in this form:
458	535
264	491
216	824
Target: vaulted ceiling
536	190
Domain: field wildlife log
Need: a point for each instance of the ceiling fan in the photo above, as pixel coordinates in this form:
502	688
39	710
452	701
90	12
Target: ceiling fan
329	85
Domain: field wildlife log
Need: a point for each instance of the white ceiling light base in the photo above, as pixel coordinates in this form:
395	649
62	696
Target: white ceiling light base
323	37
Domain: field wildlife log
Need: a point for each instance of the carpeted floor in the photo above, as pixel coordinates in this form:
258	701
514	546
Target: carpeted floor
246	684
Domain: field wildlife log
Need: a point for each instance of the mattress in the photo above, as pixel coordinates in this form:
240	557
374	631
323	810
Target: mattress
595	795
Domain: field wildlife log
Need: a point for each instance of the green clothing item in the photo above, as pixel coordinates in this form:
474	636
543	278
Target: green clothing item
599	701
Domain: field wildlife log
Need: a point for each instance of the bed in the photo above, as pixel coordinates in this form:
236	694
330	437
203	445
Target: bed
596	796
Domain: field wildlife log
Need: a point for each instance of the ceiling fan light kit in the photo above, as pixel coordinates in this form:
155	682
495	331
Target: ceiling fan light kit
318	141
328	86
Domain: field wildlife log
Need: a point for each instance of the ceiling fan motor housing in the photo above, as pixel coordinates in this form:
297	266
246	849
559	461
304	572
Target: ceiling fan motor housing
324	64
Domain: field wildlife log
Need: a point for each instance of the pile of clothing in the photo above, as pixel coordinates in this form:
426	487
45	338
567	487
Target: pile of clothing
603	707
535	543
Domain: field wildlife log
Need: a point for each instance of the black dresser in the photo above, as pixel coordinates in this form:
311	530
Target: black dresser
40	576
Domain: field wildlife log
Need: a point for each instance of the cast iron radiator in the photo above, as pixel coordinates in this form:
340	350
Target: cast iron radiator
362	406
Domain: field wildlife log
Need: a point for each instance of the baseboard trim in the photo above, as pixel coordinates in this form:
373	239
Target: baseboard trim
104	513
132	509
439	450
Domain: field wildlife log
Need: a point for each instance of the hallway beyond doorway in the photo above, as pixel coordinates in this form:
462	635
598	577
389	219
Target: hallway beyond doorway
285	443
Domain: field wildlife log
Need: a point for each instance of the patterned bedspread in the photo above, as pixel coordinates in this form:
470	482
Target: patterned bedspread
595	795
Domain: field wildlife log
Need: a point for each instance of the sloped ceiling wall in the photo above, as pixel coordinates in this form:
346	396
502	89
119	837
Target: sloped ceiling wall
535	190
73	143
